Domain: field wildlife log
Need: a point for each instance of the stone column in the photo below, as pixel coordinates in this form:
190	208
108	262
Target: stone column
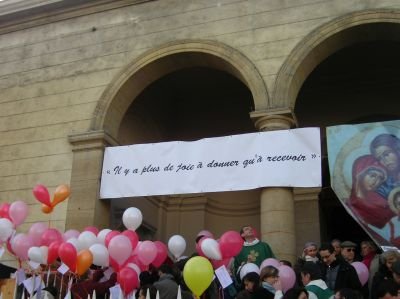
277	216
84	206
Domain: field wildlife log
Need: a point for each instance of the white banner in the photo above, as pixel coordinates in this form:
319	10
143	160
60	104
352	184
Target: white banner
277	158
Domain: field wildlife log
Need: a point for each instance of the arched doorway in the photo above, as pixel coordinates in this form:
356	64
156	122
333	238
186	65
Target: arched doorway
181	91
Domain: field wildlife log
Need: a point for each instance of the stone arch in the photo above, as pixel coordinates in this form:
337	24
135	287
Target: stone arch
156	63
361	26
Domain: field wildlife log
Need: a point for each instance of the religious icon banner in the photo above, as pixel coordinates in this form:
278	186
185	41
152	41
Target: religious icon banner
364	164
239	162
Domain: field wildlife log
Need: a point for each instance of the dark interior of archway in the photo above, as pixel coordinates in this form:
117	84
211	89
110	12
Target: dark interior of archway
189	104
357	84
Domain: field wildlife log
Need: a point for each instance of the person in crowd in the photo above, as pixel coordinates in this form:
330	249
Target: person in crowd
253	251
82	289
368	252
166	284
337	273
336	245
310	252
396	272
347	293
312	280
348	251
6	271
388	290
269	278
251	282
296	293
285	263
385	271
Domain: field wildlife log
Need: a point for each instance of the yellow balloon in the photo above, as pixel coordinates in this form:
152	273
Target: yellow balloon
198	274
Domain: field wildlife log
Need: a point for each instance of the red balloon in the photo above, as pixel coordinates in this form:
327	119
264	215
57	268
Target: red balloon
53	252
4	208
216	264
128	280
92	229
42	194
132	236
68	255
51	235
138	262
109	236
162	252
230	244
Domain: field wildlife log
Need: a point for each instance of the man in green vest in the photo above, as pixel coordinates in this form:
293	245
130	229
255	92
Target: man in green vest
253	251
311	278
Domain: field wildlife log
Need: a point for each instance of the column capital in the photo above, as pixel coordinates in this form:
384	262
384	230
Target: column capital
274	119
91	140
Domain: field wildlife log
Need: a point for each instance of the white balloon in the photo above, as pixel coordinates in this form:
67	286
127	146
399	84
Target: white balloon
101	236
35	254
87	239
176	245
247	268
100	255
210	248
6	229
132	218
77	244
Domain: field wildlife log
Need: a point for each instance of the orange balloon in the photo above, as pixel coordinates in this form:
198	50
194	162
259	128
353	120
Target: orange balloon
83	261
62	192
46	209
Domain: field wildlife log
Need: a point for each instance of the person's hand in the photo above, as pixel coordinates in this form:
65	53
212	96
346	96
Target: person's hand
277	285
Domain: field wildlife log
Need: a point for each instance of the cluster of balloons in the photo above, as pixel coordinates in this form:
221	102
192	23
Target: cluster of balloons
41	193
219	252
11	216
287	275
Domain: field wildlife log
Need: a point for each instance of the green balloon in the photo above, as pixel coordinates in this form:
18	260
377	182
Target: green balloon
198	274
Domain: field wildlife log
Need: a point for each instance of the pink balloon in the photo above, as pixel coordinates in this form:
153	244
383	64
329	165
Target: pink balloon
109	236
4	209
36	231
120	248
20	244
42	194
287	277
270	262
147	252
132	236
162	252
18	212
230	244
51	235
92	229
362	272
71	233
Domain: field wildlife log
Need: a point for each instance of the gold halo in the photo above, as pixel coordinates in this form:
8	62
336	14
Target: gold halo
391	200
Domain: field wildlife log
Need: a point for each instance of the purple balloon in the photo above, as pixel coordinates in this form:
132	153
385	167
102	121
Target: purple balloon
71	233
362	272
287	277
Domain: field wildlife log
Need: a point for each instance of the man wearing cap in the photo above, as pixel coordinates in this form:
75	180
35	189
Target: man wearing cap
336	272
254	250
348	251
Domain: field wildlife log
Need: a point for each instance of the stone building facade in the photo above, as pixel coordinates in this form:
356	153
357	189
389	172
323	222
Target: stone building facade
77	76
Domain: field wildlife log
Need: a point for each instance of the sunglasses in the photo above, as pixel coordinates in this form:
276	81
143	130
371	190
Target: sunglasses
350	249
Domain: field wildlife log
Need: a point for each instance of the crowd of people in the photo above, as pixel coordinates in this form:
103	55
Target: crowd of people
322	271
